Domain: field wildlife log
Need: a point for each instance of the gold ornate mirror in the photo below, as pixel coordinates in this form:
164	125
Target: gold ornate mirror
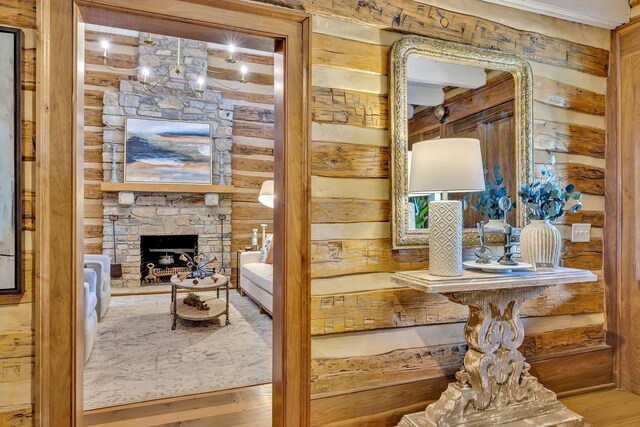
442	89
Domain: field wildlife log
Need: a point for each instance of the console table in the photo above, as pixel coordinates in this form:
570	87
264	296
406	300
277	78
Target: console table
494	386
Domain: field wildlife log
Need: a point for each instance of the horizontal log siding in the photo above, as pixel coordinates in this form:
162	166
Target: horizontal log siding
252	157
350	187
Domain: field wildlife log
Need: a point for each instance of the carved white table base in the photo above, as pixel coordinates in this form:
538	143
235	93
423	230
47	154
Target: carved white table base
494	387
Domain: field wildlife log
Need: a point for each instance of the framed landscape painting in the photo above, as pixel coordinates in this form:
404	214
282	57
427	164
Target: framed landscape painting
10	161
169	151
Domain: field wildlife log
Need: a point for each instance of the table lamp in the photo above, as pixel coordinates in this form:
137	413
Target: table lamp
452	165
266	196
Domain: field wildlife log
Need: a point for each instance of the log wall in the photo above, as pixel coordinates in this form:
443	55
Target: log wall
354	302
17	352
368	335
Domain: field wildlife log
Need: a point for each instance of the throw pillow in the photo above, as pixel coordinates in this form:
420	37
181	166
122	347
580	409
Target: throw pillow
265	250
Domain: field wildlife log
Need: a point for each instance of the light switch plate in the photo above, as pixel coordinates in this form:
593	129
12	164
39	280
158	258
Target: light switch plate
581	232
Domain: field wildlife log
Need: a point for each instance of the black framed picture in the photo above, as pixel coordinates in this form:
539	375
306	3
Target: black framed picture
11	40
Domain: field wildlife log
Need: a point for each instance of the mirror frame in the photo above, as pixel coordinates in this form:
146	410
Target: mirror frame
402	236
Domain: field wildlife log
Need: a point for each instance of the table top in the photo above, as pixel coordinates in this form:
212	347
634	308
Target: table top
205	284
482	281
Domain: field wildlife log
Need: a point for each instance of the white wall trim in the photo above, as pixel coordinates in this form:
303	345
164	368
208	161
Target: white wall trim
605	14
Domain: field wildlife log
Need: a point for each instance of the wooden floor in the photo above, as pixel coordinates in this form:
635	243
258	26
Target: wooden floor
251	406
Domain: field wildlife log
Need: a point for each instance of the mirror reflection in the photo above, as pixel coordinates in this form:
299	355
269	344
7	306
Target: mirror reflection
450	100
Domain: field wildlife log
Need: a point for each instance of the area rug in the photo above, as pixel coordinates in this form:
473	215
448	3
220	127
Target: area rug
137	357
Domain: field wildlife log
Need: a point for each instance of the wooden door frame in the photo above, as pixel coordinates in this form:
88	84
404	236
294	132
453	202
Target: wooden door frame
620	331
59	190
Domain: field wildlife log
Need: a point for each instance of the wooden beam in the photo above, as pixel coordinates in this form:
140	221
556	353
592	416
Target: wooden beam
349	107
588	179
569	138
120	60
341	257
586	255
17	416
562	95
349	160
114	39
334	210
403	307
349	54
415	17
406	365
236	75
595	218
253	114
19	13
105	79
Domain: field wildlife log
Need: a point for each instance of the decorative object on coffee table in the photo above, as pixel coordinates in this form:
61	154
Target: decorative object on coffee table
216	306
451	165
494	386
545	200
194	300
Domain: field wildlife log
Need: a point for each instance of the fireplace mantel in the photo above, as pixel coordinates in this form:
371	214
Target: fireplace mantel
142	187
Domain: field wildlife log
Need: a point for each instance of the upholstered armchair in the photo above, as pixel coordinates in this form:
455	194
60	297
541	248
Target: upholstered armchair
102	266
90	315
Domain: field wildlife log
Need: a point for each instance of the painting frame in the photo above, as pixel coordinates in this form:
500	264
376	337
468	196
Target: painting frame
129	177
16	122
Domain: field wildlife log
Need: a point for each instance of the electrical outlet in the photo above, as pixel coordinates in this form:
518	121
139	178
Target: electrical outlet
581	232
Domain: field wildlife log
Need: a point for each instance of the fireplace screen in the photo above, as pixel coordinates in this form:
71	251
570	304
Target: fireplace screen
160	257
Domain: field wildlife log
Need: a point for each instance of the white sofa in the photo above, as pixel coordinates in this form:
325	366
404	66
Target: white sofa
256	280
90	314
102	266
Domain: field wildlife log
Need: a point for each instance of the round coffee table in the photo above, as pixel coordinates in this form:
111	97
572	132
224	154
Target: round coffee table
217	306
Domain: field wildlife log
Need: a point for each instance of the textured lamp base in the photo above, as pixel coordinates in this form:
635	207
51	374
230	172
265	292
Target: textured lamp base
445	238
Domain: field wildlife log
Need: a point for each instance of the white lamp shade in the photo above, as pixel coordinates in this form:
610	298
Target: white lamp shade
266	196
452	165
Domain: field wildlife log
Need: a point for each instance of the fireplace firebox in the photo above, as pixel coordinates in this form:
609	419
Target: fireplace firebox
160	257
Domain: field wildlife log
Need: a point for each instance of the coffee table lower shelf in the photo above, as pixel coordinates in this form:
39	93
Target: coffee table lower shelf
217	308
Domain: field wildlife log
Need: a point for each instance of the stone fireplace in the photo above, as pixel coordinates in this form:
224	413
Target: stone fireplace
157	214
143	214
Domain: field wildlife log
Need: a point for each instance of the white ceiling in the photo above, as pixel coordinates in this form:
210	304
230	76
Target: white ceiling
600	13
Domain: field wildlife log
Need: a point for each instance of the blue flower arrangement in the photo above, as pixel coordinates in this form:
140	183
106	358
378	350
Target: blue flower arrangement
487	203
545	199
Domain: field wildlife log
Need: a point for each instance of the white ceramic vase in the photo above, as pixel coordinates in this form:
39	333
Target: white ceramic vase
541	244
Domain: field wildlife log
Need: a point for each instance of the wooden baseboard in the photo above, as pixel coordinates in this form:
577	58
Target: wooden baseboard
565	373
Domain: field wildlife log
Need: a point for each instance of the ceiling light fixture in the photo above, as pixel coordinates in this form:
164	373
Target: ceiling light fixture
187	72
